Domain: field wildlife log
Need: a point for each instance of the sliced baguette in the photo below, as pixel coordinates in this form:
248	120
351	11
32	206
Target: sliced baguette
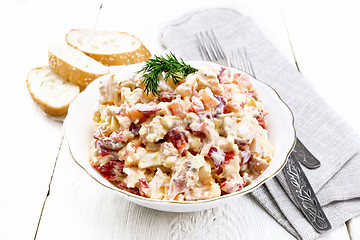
52	92
109	48
74	65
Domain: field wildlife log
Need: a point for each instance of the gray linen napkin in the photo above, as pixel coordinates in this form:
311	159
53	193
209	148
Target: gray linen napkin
322	131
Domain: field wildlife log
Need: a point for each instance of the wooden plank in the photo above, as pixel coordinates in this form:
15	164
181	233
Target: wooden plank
354	228
336	233
31	140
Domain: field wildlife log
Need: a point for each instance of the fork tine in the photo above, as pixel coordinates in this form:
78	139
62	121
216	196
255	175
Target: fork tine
237	63
201	47
205	46
212	45
231	59
239	58
251	70
209	46
242	60
211	50
217	45
229	63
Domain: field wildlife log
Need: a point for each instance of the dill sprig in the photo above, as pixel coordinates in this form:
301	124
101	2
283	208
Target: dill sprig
170	68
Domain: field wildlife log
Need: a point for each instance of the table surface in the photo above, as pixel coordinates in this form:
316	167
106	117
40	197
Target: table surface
45	195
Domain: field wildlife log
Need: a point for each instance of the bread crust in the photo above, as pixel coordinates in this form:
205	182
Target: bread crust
48	109
139	55
71	72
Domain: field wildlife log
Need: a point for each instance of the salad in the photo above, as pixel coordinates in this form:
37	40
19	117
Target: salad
190	134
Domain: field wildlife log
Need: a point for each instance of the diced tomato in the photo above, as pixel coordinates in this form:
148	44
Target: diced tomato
123	186
229	156
195	108
219	157
242	80
144	186
207	97
109	169
227	108
178	108
233	184
167	96
118	136
102	151
178	138
196	105
237	75
232	106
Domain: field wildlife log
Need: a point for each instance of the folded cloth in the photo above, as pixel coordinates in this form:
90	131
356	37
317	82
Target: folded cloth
321	130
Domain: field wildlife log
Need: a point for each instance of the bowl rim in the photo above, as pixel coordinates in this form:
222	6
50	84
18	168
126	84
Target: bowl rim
192	202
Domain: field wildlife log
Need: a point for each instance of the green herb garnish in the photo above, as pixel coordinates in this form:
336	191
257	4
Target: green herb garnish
168	68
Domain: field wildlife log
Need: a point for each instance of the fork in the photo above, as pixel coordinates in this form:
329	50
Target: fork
239	58
299	185
211	50
210	47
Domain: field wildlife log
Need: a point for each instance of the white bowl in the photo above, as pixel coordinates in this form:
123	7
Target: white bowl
78	130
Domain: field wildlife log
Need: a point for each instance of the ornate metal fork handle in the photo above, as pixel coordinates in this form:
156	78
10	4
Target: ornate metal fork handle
304	195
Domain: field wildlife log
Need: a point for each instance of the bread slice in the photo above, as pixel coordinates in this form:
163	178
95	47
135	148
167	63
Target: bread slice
52	92
74	65
109	48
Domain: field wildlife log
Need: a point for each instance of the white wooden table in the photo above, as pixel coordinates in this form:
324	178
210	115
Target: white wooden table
45	195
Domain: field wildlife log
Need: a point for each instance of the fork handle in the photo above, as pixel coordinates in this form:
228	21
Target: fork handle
304	195
304	156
